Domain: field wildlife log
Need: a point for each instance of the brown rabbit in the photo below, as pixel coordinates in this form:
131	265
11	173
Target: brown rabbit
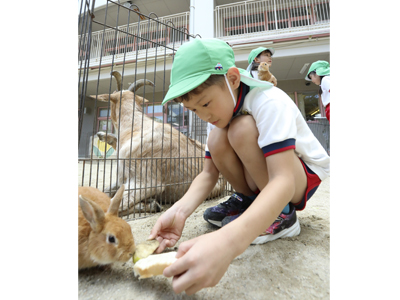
103	237
265	74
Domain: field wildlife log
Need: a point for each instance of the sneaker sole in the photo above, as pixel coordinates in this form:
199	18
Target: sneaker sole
288	232
216	223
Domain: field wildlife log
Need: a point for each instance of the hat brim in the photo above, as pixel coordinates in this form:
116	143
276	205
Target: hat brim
319	73
184	87
191	83
246	78
253	57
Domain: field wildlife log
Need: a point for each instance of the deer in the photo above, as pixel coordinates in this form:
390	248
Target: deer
157	161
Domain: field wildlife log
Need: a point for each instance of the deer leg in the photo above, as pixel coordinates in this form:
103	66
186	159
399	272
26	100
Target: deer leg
140	197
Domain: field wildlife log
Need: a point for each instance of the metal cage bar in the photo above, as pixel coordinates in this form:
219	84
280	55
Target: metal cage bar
156	157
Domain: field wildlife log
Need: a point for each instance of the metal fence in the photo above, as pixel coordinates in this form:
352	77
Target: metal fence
320	127
235	20
154	160
271	17
146	33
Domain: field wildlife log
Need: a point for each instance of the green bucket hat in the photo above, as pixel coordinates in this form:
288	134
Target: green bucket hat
255	52
321	67
197	60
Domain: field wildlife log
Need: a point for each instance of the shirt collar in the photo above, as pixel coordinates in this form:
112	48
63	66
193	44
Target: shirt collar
243	90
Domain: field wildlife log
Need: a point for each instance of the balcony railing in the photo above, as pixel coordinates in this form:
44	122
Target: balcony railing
147	34
232	21
252	18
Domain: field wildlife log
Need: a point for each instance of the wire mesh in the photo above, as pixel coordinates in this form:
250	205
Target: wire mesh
128	137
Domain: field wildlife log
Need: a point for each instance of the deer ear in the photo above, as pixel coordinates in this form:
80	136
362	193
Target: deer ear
107	97
102	98
141	100
115	97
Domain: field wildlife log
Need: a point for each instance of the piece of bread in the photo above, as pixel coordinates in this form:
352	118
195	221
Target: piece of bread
145	249
154	265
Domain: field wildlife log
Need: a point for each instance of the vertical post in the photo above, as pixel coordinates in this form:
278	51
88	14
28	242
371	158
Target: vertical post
308	19
203	8
246	20
191	18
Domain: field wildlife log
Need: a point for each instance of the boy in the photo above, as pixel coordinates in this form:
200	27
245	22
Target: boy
277	155
319	74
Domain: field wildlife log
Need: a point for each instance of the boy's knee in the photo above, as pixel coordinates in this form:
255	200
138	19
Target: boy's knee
242	129
218	140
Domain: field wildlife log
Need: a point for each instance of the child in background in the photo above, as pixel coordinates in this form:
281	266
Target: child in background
260	143
260	54
319	74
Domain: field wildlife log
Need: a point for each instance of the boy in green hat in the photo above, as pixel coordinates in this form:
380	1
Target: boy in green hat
260	54
319	74
260	143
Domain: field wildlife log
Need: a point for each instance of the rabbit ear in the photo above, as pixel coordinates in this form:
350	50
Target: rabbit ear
116	201
93	213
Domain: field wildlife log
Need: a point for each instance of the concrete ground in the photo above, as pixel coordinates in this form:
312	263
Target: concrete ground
291	268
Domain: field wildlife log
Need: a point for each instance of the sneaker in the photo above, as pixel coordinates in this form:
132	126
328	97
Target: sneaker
286	225
235	205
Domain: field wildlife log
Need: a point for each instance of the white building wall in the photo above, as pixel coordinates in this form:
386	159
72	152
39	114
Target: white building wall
202	12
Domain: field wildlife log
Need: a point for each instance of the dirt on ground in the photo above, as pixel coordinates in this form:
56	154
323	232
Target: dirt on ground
290	268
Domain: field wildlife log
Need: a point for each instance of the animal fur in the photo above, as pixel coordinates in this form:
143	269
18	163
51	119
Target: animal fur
265	74
161	175
98	221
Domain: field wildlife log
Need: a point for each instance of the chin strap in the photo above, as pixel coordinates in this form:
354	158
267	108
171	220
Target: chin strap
229	87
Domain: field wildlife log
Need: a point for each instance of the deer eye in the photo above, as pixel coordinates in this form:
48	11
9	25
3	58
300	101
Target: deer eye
111	239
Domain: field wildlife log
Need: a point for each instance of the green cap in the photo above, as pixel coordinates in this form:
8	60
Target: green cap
321	67
197	60
255	52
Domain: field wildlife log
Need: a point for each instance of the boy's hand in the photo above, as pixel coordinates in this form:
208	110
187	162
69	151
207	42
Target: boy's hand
201	263
168	229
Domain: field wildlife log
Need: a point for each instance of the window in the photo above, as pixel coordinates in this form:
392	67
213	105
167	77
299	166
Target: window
177	116
151	39
104	121
178	36
245	24
322	12
155	111
309	105
281	19
156	108
172	113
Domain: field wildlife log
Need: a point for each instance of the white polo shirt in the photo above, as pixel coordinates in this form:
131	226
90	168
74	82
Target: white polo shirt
326	90
282	127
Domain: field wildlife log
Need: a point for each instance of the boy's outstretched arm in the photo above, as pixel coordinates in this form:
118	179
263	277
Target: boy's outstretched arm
203	261
169	226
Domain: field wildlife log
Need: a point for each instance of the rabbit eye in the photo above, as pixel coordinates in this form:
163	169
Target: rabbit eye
111	239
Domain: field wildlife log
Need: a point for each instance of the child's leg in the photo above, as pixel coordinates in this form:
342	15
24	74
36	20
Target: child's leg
243	137
228	163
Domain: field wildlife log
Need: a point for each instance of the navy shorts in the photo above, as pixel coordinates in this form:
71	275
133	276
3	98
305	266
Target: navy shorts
313	182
